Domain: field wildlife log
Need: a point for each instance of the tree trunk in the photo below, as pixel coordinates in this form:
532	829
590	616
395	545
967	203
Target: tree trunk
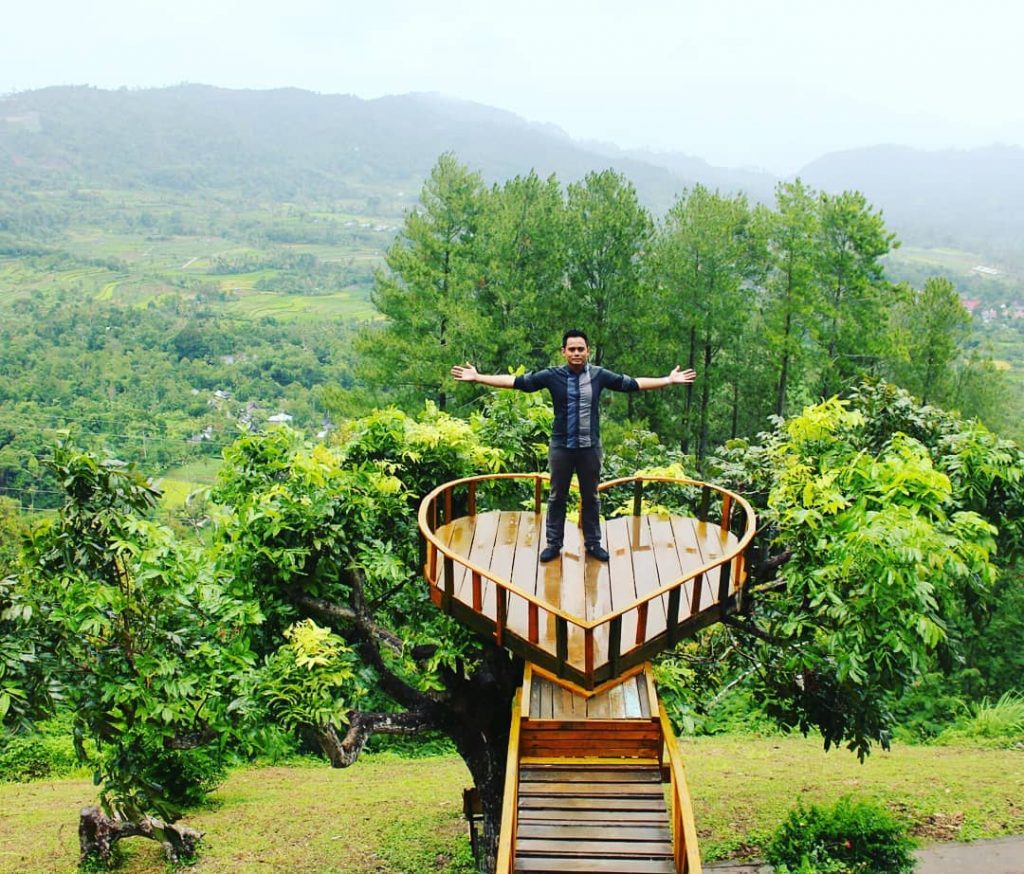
97	834
478	722
691	363
705	403
780	400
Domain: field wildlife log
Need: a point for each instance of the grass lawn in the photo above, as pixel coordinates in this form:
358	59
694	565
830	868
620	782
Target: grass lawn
742	788
388	815
381	815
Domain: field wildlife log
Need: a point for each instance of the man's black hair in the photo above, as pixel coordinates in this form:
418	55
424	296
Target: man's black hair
574	332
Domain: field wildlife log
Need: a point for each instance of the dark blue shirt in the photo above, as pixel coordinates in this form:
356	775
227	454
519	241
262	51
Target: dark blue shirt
575	399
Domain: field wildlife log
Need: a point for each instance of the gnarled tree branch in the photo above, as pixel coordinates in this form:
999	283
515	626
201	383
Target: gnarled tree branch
362	725
362	629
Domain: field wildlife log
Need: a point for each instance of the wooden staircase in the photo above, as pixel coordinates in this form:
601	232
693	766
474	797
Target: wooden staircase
594	778
594	783
609	817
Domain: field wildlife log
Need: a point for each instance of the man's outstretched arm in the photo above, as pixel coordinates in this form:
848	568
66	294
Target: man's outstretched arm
467	373
676	377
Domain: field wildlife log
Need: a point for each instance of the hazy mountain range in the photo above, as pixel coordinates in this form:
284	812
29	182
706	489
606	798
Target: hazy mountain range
287	144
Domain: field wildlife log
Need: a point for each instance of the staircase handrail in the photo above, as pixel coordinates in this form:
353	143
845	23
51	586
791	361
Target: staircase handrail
509	804
684	828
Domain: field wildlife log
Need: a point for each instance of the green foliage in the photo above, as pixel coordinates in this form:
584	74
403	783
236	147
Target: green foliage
850	837
706	258
37	754
141	772
427	296
997	724
850	242
147	637
881	563
930	327
305	518
519	425
311	680
11	530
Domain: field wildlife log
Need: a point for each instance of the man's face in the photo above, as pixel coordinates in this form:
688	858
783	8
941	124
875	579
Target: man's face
576	353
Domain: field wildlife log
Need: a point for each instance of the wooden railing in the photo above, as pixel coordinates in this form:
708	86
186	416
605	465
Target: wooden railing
684	830
510	800
440	506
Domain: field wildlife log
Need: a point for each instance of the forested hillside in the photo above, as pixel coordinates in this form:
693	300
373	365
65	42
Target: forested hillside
279	145
955	199
206	256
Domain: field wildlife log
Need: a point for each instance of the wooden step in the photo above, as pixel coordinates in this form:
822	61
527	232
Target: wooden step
593	818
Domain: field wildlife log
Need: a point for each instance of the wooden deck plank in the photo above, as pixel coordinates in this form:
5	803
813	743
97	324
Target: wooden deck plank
616	702
481	554
557	791
458	535
529	846
506	542
645	572
525	568
691	558
598	707
623	774
631	704
575	832
713	544
666	557
572	593
622	587
563	704
549	587
555	816
645	695
651	804
546	709
535	698
666	554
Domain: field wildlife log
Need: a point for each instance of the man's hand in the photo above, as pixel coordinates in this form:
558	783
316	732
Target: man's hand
465	372
678	376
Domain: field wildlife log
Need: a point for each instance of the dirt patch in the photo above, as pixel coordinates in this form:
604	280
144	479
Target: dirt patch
939	827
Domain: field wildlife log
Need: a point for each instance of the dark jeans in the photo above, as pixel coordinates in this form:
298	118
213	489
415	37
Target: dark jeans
586	464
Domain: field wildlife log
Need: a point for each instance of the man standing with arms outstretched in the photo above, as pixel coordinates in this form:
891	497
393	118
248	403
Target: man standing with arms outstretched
575	446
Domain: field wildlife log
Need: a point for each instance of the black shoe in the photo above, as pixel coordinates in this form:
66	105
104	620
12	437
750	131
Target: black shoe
550	552
597	551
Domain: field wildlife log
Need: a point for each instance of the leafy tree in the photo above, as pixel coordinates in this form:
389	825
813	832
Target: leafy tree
884	519
11	530
329	535
145	640
521	250
705	264
607	232
851	240
931	326
428	292
790	292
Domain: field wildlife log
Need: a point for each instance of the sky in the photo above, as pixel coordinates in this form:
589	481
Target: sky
755	84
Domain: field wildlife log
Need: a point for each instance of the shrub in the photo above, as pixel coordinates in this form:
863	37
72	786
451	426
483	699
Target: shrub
999	724
182	777
851	837
34	756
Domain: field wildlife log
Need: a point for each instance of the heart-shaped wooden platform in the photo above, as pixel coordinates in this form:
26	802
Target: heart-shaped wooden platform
585	621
